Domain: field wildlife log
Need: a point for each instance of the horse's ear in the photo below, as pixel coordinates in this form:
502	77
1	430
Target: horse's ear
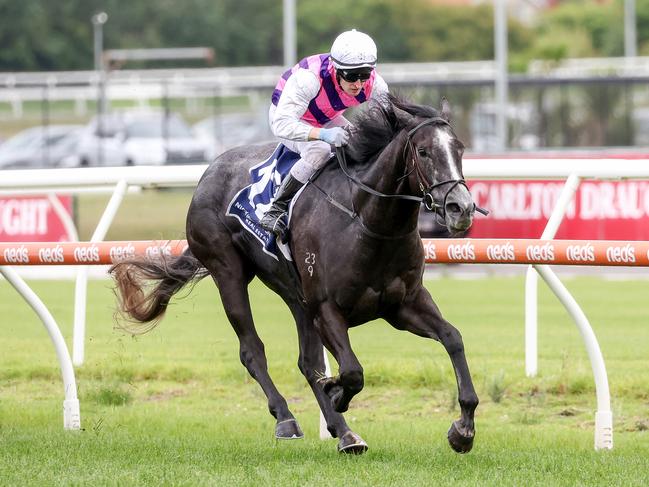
446	109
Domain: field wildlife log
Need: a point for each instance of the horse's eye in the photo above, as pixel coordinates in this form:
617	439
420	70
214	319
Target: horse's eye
421	151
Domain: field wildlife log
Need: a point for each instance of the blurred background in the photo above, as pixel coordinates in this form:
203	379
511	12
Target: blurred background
199	78
109	82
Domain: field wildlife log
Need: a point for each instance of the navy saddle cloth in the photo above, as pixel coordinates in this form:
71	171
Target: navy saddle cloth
250	204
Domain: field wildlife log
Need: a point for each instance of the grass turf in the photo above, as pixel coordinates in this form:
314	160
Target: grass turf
175	406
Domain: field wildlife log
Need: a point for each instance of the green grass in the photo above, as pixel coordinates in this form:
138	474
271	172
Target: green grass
175	406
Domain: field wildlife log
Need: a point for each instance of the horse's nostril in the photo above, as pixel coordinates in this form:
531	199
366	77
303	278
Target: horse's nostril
459	210
453	209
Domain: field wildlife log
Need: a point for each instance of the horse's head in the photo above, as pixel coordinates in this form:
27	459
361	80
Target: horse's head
433	155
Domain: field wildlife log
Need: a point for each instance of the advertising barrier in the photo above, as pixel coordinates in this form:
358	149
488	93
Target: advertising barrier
465	250
600	210
31	219
86	253
533	251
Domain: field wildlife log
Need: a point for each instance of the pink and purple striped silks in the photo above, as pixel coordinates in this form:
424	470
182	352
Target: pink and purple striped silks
331	99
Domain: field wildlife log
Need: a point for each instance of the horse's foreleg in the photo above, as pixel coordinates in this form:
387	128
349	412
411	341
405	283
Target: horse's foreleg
312	366
334	333
233	287
333	393
422	317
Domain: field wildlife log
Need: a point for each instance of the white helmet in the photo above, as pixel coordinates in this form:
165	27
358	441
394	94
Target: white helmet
353	50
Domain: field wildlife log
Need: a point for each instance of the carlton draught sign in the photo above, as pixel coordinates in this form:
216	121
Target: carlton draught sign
31	219
600	210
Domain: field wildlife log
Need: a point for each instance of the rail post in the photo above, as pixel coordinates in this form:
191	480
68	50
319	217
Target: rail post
71	412
81	286
603	416
531	278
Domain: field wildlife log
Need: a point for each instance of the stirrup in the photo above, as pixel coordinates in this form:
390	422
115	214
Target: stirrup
274	224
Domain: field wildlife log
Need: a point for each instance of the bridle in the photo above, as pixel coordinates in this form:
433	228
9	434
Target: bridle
425	186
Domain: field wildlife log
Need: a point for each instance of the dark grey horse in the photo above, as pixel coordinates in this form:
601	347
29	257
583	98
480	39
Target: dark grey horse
357	257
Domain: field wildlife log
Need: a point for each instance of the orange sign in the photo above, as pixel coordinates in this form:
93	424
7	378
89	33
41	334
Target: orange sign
468	250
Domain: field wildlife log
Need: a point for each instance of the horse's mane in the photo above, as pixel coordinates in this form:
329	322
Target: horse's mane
375	127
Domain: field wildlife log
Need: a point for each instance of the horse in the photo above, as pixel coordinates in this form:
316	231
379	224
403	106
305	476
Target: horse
357	254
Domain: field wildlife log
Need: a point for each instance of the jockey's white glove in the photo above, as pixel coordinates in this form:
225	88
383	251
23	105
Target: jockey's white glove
337	136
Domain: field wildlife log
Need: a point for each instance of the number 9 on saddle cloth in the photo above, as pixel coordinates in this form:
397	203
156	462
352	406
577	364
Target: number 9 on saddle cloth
250	204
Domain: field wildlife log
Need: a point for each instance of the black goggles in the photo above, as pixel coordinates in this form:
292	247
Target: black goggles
352	76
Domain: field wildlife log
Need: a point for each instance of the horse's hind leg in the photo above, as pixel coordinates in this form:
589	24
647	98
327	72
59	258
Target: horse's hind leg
422	317
232	281
311	364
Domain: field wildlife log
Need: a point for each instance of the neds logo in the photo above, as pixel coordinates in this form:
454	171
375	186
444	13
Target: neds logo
429	251
51	255
86	254
155	252
121	252
461	251
501	252
581	253
621	254
16	255
540	252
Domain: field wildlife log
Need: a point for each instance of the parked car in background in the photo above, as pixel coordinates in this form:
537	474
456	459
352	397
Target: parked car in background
223	132
39	147
138	138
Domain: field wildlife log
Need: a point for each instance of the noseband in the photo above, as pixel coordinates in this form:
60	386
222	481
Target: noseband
424	185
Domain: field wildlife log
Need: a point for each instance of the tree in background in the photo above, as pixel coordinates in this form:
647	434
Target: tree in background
57	35
37	35
579	29
319	24
642	26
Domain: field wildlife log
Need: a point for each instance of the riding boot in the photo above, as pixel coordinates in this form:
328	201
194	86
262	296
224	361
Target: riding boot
273	220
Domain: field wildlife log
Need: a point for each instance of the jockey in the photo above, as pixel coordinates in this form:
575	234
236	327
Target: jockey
307	108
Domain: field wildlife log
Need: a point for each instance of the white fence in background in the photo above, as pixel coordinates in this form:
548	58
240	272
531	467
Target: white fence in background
188	83
120	179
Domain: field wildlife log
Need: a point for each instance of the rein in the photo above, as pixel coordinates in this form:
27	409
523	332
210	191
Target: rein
424	185
342	161
355	216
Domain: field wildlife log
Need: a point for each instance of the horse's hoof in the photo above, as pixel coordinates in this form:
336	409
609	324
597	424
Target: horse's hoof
460	442
288	430
352	444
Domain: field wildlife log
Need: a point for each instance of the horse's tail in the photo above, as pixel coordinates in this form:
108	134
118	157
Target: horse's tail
138	301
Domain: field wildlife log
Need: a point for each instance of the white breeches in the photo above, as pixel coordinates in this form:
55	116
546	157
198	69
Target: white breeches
314	154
